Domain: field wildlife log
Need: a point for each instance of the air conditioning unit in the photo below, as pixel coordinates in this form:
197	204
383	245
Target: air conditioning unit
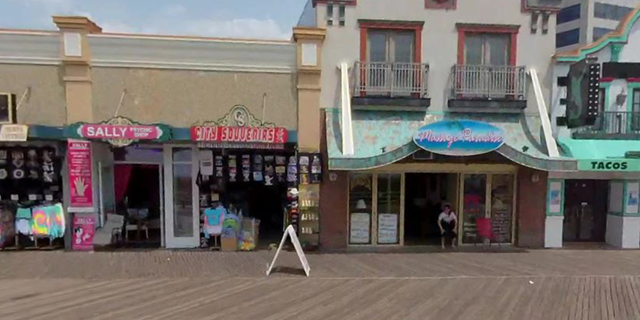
422	155
8	112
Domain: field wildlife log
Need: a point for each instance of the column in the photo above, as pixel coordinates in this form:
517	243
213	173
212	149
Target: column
309	68
623	218
555	214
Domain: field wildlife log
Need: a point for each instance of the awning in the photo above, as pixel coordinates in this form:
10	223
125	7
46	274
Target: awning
602	155
384	137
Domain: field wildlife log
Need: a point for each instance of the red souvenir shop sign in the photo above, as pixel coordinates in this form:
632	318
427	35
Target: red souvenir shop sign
239	128
80	177
272	135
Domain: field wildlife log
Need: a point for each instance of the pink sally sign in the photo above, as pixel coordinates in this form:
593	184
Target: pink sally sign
80	175
84	228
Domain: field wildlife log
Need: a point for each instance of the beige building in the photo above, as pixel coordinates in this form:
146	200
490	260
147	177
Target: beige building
178	100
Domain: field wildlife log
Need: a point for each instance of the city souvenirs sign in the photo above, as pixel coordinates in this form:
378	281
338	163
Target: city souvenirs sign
459	137
239	129
120	131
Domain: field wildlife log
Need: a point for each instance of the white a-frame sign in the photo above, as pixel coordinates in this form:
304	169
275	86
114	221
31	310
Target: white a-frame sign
291	232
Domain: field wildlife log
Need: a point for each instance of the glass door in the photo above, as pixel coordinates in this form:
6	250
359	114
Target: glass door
388	208
181	214
488	196
474	205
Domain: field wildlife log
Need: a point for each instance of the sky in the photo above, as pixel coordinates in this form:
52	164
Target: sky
270	19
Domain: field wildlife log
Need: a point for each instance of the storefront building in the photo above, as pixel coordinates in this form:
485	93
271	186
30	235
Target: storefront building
156	129
599	203
433	104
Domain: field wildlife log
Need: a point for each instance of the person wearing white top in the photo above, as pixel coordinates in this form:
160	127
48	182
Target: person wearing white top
447	221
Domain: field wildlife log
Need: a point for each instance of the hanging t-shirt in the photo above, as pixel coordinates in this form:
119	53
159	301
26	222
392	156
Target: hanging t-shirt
214	216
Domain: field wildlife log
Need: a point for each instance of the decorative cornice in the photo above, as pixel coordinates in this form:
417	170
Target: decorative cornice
619	36
309	33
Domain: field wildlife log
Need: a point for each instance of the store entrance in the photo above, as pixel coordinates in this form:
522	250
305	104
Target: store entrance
425	195
138	199
585	210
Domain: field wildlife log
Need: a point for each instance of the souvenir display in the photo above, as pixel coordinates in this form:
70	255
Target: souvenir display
233	168
292	170
219	167
246	168
281	169
257	168
269	170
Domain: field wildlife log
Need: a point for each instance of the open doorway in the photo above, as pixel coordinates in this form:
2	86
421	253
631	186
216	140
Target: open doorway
425	195
138	198
585	210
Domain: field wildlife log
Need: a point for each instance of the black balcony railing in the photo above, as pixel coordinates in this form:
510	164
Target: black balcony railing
611	123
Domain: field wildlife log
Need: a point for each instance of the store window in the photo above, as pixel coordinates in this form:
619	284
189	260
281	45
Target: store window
474	205
182	193
635	108
360	208
388	208
502	207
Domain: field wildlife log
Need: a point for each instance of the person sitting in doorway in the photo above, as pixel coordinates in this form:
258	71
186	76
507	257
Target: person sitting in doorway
448	222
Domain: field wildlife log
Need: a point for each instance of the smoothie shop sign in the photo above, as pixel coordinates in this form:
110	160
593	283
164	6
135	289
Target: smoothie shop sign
120	131
459	137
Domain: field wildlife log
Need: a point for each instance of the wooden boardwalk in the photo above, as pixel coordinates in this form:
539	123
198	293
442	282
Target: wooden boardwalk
541	284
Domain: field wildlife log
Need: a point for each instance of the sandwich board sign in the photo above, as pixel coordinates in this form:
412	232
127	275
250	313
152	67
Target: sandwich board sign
291	232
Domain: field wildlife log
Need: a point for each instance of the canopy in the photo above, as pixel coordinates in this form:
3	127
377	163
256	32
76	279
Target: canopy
384	137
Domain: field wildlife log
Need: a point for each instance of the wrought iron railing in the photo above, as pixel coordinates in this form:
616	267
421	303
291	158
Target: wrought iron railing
488	82
391	79
614	123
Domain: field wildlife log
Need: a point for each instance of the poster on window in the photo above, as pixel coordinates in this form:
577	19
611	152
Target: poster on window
633	190
555	197
388	228
80	176
360	228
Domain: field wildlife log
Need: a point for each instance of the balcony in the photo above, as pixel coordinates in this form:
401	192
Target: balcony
476	88
612	125
391	84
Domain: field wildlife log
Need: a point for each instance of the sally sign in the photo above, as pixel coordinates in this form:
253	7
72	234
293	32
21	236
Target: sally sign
120	131
459	137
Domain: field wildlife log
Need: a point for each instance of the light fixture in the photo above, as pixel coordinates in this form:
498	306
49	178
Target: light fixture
535	178
360	205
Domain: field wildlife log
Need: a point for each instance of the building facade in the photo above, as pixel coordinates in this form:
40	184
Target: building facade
431	104
141	126
599	202
581	22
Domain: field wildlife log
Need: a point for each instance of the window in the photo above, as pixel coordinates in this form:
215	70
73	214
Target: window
360	208
610	11
567	38
486	49
600	32
602	99
329	14
635	108
569	14
341	15
390	46
7	108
